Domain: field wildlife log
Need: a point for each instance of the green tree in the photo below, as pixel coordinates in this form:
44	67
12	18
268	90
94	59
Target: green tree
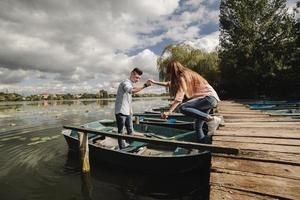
292	76
254	46
206	64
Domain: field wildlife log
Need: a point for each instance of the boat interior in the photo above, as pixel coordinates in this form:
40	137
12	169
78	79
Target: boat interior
140	148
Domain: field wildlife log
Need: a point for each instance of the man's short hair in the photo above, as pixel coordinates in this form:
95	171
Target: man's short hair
138	71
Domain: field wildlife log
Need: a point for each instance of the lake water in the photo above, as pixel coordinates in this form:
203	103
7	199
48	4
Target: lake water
35	162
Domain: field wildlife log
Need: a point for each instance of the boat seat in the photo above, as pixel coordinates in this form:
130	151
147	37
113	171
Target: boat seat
129	149
107	129
90	135
137	144
176	137
94	125
95	137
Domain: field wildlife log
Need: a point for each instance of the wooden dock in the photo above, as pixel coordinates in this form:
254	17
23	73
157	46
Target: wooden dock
268	166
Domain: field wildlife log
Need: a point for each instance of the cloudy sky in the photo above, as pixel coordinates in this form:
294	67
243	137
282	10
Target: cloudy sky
73	46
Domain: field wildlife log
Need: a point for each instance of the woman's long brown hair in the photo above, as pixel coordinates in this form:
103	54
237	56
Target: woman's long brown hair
192	80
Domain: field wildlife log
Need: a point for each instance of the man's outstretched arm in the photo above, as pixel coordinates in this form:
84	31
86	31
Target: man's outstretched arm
138	89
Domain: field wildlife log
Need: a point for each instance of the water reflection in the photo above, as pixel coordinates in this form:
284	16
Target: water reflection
9	107
128	184
103	103
86	185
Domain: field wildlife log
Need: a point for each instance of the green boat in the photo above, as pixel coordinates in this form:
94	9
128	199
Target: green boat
175	120
273	106
170	122
142	156
176	111
156	114
286	112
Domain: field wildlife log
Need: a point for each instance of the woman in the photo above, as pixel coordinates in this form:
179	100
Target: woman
202	97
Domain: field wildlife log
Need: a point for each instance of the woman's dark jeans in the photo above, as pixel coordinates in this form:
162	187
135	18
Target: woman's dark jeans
121	121
199	108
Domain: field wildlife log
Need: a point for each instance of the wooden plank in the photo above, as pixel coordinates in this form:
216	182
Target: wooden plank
290	132
279	124
268	165
220	105
242	116
221	110
243	112
268	156
264	124
260	119
239	111
261	140
221	193
257	167
262	147
233	108
234	105
276	187
188	145
285	114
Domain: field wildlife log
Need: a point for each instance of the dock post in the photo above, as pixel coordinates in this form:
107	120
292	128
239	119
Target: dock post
84	151
137	119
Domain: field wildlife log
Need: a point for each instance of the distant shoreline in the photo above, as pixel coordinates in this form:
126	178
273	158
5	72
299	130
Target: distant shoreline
14	97
2	103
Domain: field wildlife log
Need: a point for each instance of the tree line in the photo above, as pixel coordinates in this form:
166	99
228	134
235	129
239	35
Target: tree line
258	55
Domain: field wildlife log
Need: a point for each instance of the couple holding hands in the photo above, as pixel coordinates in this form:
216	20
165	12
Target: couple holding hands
183	83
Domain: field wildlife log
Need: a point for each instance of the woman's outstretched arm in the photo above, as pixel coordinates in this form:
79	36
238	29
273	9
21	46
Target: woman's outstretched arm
165	84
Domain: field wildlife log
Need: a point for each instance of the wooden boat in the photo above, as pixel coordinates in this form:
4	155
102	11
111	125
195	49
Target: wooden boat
175	120
273	107
164	109
286	112
276	103
170	122
156	114
142	156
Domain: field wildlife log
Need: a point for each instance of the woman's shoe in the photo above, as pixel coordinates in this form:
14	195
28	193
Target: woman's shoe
213	125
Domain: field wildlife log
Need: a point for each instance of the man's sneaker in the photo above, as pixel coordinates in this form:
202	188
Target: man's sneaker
213	125
206	139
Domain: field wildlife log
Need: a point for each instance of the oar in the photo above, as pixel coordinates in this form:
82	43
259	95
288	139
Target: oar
157	136
188	145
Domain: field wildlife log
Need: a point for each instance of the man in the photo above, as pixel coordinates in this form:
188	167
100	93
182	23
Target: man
123	109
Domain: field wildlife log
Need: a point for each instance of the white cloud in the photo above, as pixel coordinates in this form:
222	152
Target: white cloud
291	5
84	46
145	8
183	33
188	24
207	43
146	61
